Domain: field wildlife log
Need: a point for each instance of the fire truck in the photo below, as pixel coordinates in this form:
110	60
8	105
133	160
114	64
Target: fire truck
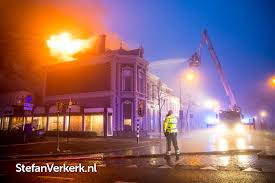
231	117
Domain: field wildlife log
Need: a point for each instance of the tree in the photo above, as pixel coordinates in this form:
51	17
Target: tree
187	104
161	96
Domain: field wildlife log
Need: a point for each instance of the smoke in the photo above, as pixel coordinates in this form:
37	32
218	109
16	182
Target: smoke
166	62
169	71
26	25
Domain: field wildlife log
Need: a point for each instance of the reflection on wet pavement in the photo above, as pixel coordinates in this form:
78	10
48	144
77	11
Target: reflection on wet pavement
208	141
203	141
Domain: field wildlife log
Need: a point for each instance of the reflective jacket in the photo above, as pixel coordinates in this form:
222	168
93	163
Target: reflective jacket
170	124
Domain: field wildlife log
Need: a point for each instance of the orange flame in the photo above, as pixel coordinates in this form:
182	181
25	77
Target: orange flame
63	46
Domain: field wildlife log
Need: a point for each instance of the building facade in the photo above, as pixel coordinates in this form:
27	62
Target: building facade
110	94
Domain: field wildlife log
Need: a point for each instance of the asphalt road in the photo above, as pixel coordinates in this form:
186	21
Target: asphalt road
189	168
234	167
143	175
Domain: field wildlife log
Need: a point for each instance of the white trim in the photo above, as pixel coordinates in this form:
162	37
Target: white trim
79	95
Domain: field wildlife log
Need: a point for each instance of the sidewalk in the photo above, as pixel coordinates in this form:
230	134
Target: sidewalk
75	146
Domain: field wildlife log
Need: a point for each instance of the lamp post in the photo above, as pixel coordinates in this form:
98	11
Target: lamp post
69	120
188	76
59	106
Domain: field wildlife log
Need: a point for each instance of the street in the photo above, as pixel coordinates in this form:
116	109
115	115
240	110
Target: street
201	160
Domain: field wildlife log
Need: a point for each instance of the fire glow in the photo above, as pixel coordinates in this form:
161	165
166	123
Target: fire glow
63	46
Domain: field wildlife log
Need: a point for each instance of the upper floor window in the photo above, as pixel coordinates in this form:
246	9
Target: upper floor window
149	94
127	79
141	82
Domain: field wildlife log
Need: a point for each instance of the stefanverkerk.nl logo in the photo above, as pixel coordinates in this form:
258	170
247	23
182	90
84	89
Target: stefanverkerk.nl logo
55	168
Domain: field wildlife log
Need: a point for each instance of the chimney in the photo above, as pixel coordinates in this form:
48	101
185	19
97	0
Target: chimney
100	44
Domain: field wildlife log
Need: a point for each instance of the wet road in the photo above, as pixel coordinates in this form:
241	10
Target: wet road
190	168
195	167
210	140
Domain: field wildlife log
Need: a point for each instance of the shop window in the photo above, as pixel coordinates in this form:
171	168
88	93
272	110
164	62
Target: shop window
53	123
16	122
5	123
95	123
28	120
39	123
75	123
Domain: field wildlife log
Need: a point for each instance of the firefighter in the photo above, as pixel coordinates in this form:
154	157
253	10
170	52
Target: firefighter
170	132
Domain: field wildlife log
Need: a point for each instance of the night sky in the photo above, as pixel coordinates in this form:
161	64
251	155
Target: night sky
242	33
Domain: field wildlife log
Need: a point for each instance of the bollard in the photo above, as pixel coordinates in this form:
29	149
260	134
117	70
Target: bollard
137	133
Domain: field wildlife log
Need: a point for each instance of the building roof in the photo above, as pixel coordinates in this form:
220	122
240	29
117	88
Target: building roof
135	52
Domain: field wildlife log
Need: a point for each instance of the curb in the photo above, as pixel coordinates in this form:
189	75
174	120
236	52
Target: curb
230	152
263	155
56	155
104	156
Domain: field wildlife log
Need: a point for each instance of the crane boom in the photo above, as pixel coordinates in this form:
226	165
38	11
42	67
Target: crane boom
226	86
195	61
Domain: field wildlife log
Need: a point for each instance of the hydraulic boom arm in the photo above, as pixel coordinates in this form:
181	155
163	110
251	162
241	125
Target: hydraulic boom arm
226	86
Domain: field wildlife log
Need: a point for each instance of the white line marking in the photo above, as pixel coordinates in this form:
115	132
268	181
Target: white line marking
251	170
209	168
132	166
164	166
60	178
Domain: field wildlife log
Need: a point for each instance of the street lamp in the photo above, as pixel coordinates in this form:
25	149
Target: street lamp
272	81
189	76
263	114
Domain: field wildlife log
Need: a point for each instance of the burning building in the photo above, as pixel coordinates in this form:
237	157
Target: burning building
109	93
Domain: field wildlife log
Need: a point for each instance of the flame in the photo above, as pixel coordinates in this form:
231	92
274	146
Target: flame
63	46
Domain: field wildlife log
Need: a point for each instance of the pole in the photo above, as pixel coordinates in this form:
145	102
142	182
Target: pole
138	133
69	124
57	125
181	111
69	121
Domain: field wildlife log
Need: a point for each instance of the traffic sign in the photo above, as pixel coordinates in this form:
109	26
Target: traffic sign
28	107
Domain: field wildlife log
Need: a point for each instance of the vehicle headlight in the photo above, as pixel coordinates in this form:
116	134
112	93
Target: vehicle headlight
222	128
239	128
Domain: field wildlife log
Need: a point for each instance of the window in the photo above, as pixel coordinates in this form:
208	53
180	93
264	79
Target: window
127	79
5	123
75	123
141	82
53	123
110	125
17	122
148	94
127	115
39	123
95	123
153	92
